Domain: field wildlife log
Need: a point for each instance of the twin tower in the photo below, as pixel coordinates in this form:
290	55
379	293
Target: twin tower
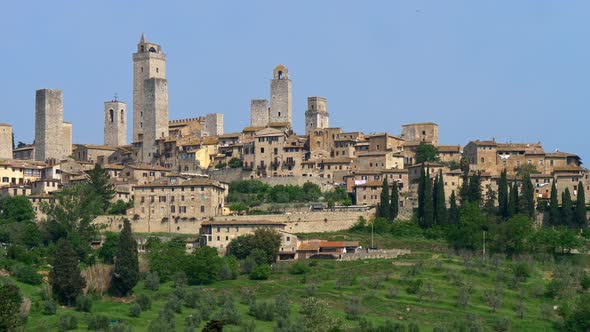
150	103
280	112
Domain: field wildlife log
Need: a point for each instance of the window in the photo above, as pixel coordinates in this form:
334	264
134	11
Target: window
172	209
218	229
227	229
261	150
203	210
162	199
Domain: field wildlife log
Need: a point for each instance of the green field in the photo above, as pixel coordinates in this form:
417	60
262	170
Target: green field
380	285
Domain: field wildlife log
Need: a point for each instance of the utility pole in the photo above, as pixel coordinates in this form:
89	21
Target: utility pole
484	245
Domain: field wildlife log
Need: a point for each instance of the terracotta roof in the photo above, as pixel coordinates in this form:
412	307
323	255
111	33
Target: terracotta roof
449	148
23	163
251	129
568	168
98	147
479	143
148	167
113	166
561	154
309	246
395	170
230	135
337	161
5	124
332	244
279	124
165	182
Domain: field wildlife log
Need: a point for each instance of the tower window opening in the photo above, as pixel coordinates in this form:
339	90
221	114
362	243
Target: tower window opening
280	75
157	70
122	116
111	115
142	69
152	49
279	113
142	48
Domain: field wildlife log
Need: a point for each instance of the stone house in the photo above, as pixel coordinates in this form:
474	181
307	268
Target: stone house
143	173
92	153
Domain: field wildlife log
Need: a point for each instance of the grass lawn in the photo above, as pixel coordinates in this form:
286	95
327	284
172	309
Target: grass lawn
380	284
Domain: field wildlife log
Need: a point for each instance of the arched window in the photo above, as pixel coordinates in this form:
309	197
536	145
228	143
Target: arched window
152	49
142	49
280	75
122	116
111	115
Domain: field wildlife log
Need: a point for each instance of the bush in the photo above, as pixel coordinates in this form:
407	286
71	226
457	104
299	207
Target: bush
414	286
144	301
67	322
98	323
299	268
179	279
262	311
84	303
230	269
353	309
180	292
134	310
121	327
26	274
152	281
192	298
260	272
49	307
173	304
229	314
192	321
521	271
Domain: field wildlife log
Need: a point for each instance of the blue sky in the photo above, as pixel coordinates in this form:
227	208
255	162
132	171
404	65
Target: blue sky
510	70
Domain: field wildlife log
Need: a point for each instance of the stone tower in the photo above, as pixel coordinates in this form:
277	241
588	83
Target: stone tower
281	106
259	113
316	116
50	129
5	141
149	62
214	124
115	123
155	115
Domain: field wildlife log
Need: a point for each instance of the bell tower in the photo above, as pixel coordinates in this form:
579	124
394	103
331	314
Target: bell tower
281	105
115	123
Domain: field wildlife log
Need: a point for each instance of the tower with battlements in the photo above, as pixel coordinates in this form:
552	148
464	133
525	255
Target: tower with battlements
115	123
316	116
281	99
148	63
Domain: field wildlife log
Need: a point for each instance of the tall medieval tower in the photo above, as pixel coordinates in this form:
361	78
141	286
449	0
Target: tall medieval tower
53	136
115	123
149	62
5	141
281	106
316	116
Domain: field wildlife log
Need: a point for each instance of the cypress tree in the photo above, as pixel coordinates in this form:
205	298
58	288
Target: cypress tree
383	208
434	198
528	196
566	208
554	216
503	195
441	217
464	190
428	218
65	278
126	273
100	182
513	200
474	189
421	185
453	209
580	214
394	206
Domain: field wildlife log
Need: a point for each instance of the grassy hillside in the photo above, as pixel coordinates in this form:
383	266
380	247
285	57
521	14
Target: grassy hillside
454	288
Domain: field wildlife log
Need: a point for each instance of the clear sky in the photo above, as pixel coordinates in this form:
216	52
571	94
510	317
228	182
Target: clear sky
510	70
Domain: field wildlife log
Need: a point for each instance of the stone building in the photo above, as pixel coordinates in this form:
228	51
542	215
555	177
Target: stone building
155	117
259	113
426	132
26	152
281	99
5	141
316	116
53	137
115	123
92	153
148	63
214	124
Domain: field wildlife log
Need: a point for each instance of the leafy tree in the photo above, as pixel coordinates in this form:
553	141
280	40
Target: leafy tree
526	169
383	207
580	213
65	278
99	181
202	267
441	217
474	192
577	318
566	208
240	247
312	191
394	206
120	207
453	209
469	232
108	251
235	163
16	209
514	233
10	301
503	195
238	207
527	200
166	258
315	316
554	215
489	204
126	273
426	153
265	239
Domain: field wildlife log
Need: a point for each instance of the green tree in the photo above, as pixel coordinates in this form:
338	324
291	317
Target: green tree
100	182
441	217
554	215
202	267
464	189
503	195
240	247
394	206
474	192
315	316
120	207
311	192
566	208
267	240
489	204
126	273
577	318
10	302
383	207
235	163
16	209
513	202
580	214
421	192
108	250
65	278
453	209
426	153
428	218
527	200
469	232
166	258
513	235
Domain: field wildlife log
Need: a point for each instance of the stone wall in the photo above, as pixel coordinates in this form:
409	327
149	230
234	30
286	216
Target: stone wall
375	254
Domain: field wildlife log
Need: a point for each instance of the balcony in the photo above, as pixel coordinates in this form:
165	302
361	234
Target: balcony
261	167
275	163
289	162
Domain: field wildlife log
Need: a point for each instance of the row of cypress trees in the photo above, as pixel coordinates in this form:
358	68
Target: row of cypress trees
432	208
388	207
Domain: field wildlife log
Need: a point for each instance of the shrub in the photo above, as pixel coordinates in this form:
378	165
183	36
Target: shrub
98	323
353	308
180	292
282	307
521	271
98	278
392	292
192	321
173	304
299	268
26	274
134	310
121	327
262	311
414	286
152	281
230	268
501	325
179	279
67	322
229	314
192	298
84	303
49	307
248	326
144	301
261	272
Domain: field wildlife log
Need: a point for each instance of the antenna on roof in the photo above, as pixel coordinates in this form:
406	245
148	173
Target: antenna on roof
115	97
